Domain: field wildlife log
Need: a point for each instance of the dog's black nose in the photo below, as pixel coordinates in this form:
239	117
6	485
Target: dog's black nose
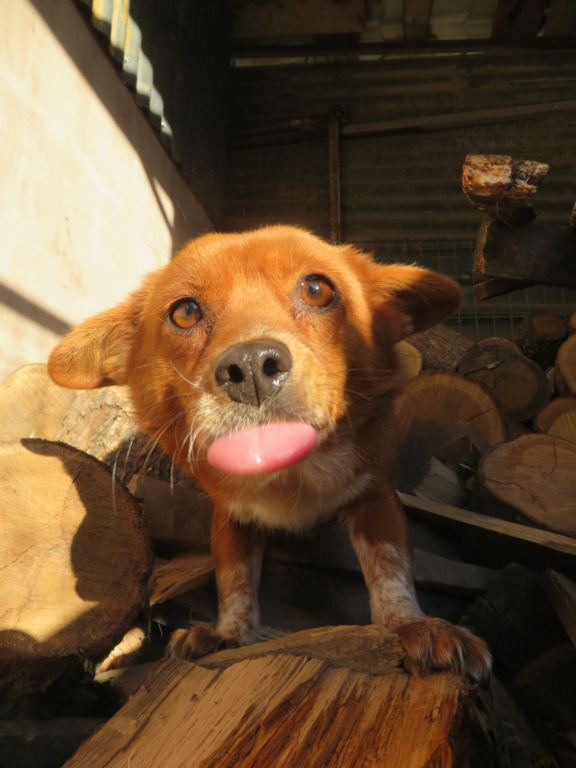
253	372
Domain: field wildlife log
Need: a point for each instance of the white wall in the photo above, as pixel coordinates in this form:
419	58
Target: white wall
89	199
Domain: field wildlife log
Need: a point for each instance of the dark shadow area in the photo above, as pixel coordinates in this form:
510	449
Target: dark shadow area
31	310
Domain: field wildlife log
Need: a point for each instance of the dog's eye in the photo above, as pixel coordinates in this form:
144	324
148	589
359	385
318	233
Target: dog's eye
185	314
316	291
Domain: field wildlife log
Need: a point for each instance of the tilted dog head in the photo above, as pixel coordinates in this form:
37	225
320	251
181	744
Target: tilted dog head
270	327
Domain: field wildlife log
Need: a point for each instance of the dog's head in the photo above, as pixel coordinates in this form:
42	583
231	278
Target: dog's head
272	327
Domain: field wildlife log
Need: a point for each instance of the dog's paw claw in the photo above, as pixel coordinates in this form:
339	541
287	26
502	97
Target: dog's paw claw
193	643
436	644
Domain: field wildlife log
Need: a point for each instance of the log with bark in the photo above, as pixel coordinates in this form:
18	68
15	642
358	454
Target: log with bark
501	187
333	696
441	347
74	561
540	336
517	384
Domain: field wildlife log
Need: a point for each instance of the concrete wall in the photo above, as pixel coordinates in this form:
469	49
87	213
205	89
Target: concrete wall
89	199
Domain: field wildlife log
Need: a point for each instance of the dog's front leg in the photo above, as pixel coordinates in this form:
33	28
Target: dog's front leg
237	552
380	535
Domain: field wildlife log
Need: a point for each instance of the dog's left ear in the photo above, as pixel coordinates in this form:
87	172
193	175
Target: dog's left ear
412	299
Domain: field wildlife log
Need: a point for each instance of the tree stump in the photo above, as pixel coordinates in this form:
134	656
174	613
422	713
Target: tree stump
334	696
540	336
74	559
438	395
535	475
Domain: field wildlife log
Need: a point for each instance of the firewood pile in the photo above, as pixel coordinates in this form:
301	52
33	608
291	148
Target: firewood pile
105	550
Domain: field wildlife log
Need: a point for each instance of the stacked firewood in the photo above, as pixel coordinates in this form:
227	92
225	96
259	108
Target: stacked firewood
90	593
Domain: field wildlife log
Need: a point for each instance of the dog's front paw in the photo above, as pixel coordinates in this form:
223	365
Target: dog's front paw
192	643
437	644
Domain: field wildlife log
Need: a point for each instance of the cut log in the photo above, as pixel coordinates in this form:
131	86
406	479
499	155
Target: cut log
409	358
438	395
554	410
31	405
74	558
499	346
535	475
333	696
537	253
540	336
500	186
517	384
565	367
441	347
495	542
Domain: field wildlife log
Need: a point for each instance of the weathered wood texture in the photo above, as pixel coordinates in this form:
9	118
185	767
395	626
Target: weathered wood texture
441	347
501	186
333	696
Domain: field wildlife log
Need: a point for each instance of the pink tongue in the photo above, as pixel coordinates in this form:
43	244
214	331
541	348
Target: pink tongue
262	449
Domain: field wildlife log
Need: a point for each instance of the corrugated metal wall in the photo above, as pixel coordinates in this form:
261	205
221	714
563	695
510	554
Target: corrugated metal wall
401	193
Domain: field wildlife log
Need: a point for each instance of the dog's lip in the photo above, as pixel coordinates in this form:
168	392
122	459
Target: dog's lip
262	448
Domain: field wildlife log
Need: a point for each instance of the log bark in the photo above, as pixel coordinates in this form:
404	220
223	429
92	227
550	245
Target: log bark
441	347
333	696
535	475
100	422
501	187
540	336
565	367
74	565
438	395
517	384
31	405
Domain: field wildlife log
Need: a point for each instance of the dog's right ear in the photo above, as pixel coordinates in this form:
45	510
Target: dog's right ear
95	354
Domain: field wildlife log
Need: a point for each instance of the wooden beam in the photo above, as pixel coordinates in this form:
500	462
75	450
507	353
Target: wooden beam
538	253
459	119
517	19
416	19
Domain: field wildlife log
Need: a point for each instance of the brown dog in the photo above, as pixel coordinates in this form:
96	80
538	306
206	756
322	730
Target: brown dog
263	362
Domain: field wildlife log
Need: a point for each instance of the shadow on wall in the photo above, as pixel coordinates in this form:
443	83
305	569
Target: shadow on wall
181	220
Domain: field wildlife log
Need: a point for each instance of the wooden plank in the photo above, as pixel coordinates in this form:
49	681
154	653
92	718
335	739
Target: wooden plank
417	19
534	538
517	20
538	253
459	119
